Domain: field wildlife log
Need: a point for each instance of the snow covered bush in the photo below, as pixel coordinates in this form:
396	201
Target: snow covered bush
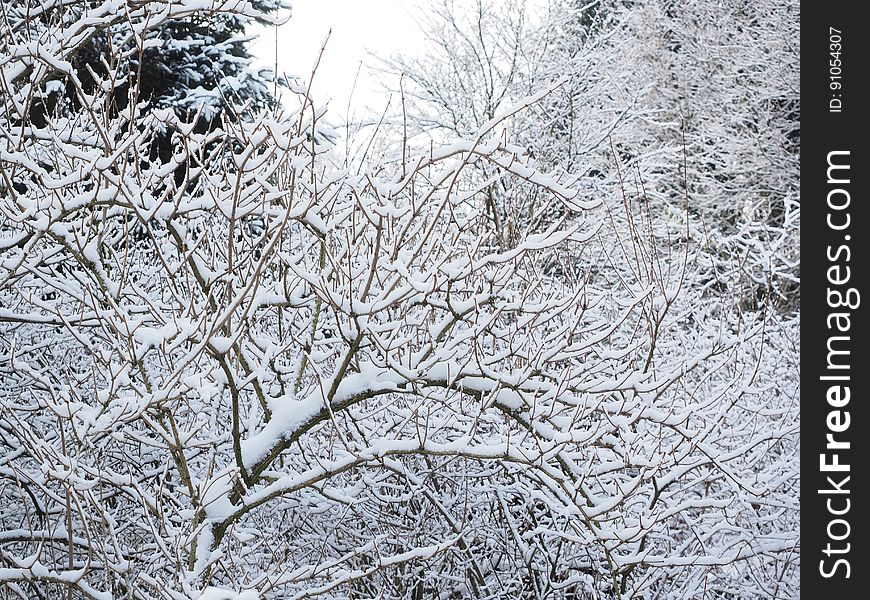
241	372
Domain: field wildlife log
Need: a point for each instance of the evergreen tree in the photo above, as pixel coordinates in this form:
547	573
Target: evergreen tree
198	66
204	61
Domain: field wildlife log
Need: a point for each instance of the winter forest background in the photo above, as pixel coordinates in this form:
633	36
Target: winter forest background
532	332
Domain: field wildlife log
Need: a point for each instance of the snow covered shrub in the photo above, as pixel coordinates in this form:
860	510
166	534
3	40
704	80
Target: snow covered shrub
272	378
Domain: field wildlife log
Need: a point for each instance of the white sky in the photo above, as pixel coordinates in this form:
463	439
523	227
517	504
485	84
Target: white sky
359	27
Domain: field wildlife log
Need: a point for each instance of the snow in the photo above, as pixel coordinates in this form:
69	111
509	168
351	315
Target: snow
290	413
216	593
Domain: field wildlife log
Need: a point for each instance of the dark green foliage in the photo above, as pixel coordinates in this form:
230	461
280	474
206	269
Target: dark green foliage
200	67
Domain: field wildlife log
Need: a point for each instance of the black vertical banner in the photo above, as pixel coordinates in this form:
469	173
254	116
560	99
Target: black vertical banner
835	373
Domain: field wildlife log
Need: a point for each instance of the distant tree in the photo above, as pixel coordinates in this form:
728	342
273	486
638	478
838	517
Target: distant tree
273	378
198	65
204	61
648	90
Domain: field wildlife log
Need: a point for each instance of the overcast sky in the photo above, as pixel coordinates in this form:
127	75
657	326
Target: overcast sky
381	27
